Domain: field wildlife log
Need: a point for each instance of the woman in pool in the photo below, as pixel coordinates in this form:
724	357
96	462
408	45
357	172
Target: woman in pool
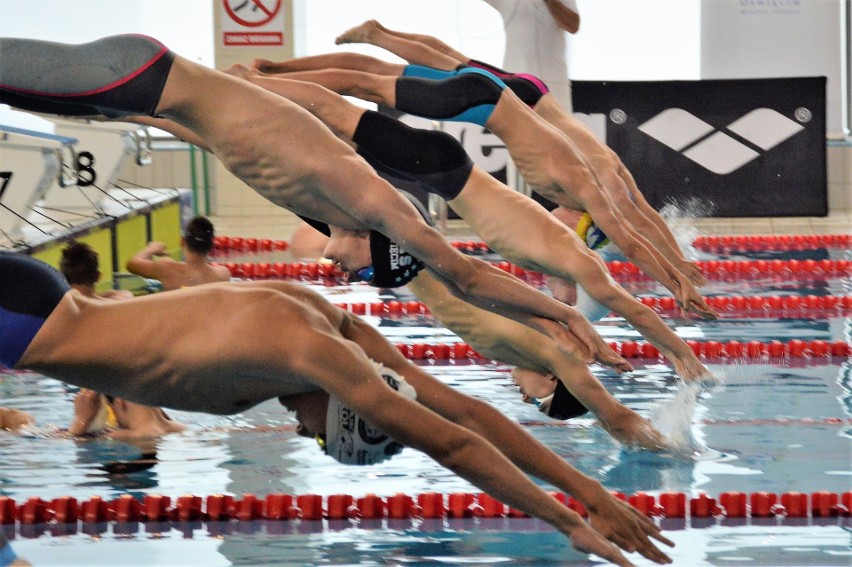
223	348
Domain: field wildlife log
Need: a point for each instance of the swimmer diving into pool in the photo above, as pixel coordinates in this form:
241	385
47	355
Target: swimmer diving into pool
512	224
236	345
439	58
260	137
561	174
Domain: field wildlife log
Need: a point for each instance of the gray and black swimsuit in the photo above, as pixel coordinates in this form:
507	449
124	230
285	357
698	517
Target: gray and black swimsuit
115	76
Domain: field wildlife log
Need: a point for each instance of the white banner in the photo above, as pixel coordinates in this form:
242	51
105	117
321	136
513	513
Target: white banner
751	39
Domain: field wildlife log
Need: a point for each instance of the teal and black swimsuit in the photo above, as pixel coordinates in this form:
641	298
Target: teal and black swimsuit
29	292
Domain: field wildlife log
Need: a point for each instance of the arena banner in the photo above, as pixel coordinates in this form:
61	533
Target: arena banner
722	148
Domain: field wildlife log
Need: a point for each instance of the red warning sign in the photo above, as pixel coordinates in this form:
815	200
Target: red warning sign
252	22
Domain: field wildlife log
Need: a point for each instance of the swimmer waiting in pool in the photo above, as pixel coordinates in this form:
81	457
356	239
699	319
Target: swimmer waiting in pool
224	348
561	174
195	268
80	265
261	137
533	239
95	413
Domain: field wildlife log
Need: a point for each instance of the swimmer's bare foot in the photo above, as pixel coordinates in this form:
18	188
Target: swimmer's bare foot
358	34
634	431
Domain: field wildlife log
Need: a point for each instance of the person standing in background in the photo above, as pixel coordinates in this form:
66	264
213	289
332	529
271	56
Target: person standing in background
535	40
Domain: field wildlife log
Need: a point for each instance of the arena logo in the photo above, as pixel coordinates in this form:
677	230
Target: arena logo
716	150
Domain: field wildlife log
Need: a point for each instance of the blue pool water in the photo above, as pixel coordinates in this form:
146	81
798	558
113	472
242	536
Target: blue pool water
768	427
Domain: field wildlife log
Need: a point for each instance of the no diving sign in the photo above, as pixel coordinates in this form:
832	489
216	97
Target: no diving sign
252	22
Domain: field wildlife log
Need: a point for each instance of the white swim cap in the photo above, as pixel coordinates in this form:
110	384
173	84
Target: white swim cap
351	440
591	309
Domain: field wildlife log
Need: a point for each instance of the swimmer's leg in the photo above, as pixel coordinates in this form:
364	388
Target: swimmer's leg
113	76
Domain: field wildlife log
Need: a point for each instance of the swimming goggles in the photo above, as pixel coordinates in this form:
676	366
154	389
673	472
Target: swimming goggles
366	274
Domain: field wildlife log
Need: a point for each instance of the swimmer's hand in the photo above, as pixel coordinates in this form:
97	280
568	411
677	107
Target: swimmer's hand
262	65
580	340
690	301
692	272
587	540
633	431
626	527
691	370
609	357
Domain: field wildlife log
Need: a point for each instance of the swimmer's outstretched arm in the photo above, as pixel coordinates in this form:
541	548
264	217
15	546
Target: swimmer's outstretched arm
330	353
615	520
641	252
515	344
688	268
470	279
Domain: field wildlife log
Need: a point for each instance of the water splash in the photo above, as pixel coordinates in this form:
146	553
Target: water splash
679	217
674	420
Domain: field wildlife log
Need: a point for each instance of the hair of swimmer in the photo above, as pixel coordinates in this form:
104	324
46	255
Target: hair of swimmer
79	264
199	235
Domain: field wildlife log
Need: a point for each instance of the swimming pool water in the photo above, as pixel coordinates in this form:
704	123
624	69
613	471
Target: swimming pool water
774	427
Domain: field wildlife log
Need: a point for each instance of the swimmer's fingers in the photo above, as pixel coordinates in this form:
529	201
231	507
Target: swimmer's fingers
632	531
584	331
609	357
569	343
690	301
700	307
693	273
588	540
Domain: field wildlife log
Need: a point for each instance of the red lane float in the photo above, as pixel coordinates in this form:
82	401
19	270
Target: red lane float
223	245
712	244
725	270
776	306
752	351
762	242
314	507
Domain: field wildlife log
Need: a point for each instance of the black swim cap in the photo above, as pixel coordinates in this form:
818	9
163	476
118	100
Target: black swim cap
564	405
393	266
